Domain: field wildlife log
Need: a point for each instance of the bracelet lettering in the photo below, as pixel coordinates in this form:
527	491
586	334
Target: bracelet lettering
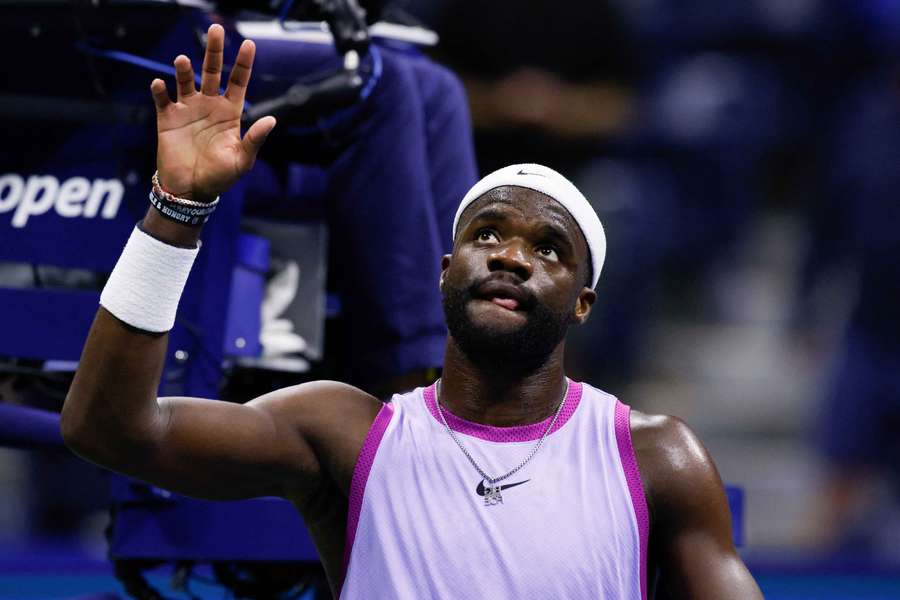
181	214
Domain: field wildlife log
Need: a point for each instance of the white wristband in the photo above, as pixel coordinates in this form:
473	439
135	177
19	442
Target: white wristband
146	284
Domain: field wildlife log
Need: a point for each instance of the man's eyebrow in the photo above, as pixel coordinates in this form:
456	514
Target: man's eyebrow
564	228
489	214
558	234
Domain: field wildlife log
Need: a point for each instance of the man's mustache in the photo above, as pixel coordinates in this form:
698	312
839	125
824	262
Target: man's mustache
527	300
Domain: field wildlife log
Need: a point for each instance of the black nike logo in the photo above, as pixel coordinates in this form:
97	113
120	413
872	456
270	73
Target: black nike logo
480	490
524	172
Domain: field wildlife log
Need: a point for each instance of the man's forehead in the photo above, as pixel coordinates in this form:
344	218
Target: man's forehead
523	200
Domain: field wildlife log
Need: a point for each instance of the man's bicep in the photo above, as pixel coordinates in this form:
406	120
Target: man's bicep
222	450
698	561
691	521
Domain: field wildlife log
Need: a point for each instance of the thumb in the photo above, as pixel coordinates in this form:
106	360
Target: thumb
254	138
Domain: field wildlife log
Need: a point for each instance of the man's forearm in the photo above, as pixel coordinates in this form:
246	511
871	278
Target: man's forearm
111	415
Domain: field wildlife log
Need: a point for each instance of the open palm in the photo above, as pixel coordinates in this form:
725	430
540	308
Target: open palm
200	152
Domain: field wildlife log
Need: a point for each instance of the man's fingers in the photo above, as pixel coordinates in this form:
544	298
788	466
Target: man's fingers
212	61
184	77
254	138
160	94
240	73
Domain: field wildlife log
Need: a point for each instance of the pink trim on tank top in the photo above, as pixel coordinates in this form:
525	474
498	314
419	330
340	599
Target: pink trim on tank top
635	487
361	475
517	433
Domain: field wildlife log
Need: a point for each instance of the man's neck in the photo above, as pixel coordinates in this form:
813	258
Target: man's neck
489	395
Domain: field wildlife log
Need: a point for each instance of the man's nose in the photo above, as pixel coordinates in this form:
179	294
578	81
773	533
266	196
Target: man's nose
511	256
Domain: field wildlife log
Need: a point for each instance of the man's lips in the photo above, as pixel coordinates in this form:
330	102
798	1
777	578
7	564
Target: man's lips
507	295
507	303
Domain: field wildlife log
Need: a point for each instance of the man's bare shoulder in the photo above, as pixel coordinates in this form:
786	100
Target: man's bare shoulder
690	523
320	391
321	404
677	471
331	418
668	436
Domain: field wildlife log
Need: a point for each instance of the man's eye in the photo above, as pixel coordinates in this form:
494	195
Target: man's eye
548	252
487	236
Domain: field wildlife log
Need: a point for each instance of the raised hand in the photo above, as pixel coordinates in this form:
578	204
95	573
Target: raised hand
200	152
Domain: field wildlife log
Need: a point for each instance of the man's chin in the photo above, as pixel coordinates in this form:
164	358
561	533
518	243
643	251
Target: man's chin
495	337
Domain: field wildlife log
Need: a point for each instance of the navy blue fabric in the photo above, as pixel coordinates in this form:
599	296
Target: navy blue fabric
859	222
387	180
862	411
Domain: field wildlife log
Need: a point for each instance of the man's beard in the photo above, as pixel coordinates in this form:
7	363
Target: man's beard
520	351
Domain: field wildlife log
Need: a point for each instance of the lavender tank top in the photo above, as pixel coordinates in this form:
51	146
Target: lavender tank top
572	524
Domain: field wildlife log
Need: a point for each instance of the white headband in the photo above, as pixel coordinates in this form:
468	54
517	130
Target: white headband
547	181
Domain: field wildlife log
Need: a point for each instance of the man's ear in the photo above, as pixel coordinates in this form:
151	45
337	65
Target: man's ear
586	299
445	264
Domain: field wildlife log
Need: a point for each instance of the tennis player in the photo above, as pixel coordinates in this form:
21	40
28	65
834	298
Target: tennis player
505	479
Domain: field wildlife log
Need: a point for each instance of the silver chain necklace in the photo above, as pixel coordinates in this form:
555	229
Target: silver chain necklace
492	494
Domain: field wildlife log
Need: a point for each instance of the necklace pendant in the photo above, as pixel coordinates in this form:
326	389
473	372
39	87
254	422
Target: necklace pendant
492	495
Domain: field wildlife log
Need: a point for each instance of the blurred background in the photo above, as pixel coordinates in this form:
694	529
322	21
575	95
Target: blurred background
745	161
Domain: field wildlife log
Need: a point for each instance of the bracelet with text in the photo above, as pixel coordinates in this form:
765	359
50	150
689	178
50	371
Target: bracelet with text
180	210
186	215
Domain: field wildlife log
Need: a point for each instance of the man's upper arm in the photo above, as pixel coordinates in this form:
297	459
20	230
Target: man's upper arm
690	536
273	445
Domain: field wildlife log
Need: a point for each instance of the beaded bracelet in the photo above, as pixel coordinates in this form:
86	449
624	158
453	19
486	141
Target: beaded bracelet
180	210
167	197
